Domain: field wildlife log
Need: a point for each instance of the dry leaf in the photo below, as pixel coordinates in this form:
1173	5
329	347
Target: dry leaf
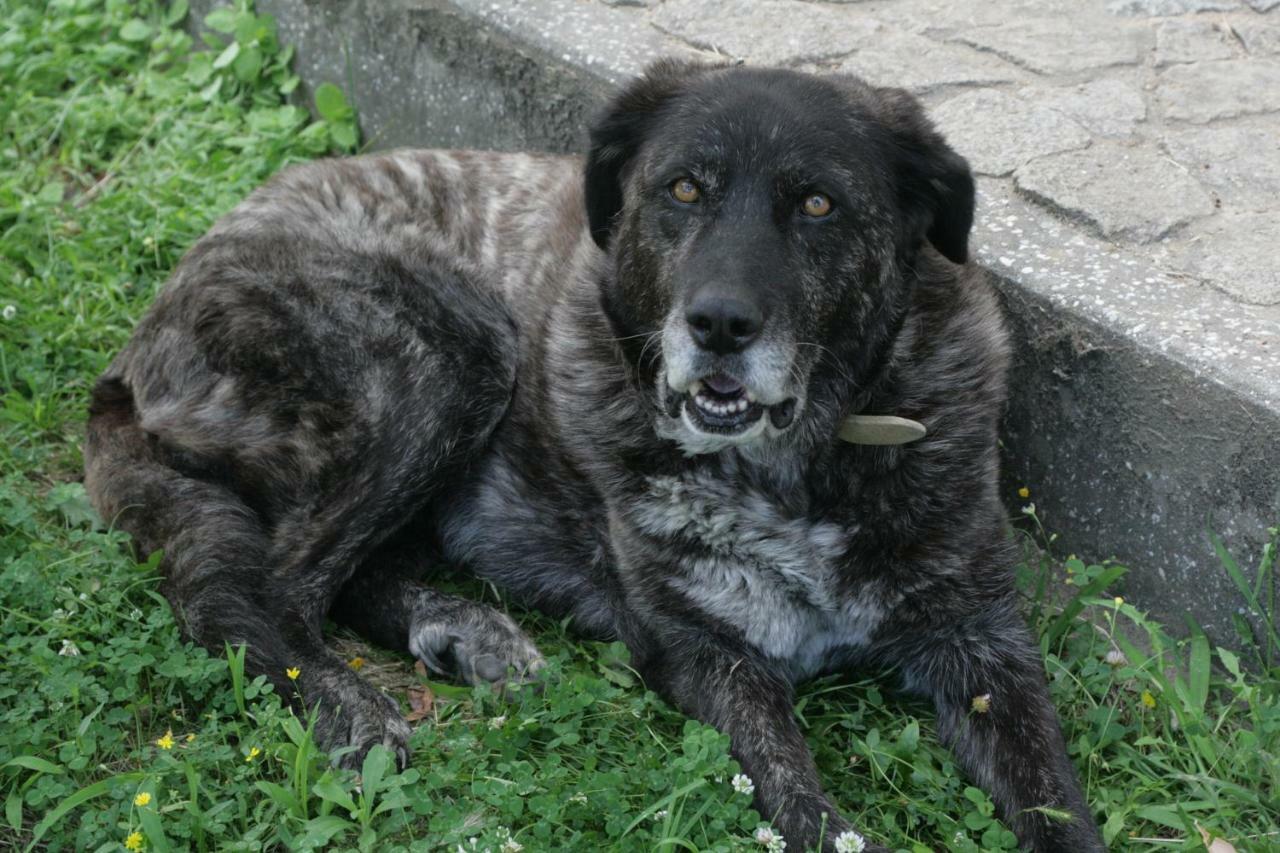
1214	845
421	700
420	668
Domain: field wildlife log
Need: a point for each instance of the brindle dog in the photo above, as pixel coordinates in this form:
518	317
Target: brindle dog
617	399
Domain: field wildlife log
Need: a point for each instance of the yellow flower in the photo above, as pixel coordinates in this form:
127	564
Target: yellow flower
253	753
142	799
355	663
191	737
293	672
1148	699
133	841
1119	600
1024	492
981	704
165	741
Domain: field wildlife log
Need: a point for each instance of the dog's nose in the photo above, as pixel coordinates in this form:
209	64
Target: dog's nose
723	324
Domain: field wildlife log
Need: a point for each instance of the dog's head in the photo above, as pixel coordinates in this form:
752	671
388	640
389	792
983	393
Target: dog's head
761	223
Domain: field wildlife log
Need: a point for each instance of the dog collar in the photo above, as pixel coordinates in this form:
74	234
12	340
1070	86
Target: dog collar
880	429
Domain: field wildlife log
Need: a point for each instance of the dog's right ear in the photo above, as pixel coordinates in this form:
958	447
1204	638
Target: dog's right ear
618	133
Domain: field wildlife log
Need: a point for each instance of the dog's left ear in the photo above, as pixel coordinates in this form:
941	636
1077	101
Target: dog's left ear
618	133
935	185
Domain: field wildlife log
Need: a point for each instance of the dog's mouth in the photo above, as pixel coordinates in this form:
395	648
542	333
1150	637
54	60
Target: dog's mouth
721	405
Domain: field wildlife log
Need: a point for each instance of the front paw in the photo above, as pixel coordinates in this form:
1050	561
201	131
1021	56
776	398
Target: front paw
350	712
475	644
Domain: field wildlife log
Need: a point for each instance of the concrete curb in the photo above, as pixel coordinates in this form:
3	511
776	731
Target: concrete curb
1134	423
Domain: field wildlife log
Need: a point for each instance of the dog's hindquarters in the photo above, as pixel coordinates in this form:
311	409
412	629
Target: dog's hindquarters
282	411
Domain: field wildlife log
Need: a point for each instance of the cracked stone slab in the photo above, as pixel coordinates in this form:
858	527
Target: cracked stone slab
771	32
998	132
1160	8
1203	92
1239	162
607	41
1129	193
1064	45
920	64
1106	106
1235	253
1260	39
1183	40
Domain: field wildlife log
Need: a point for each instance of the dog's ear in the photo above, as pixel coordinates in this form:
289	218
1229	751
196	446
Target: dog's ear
935	185
618	133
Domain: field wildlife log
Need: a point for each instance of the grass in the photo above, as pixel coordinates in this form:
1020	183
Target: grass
122	142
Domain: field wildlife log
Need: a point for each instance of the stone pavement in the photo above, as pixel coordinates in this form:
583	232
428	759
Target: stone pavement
1129	162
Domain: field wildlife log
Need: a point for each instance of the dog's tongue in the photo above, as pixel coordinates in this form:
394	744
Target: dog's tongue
722	384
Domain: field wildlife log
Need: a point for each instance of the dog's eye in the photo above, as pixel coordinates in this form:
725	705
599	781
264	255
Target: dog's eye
685	191
816	205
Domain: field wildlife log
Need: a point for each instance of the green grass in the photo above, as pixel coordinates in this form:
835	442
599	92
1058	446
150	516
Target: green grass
121	144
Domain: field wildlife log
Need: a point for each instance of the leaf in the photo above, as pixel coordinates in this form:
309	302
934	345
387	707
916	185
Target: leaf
135	29
31	762
421	702
330	103
227	56
1212	844
178	10
328	789
344	135
13	810
279	794
248	64
222	19
318	831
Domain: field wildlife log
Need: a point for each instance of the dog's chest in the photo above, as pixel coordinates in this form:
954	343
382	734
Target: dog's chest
743	558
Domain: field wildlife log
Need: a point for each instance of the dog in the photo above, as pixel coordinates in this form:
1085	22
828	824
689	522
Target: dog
613	388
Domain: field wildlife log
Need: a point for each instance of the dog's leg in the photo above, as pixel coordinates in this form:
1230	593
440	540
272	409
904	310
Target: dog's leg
987	680
733	689
270	433
386	602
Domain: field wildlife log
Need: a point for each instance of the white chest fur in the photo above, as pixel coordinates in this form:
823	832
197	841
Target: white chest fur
766	572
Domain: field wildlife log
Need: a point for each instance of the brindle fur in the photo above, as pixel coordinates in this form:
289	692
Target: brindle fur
376	363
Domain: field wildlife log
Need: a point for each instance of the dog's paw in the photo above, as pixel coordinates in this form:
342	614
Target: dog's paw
476	644
353	713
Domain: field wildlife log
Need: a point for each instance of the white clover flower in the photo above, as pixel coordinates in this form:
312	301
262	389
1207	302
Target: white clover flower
1115	657
661	814
69	649
59	614
579	798
498	721
959	838
742	784
511	846
10	311
770	840
850	842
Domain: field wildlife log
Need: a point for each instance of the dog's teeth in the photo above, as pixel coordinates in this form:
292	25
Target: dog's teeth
695	387
751	398
742	406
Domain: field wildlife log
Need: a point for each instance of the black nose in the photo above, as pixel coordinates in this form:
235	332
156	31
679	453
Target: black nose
723	324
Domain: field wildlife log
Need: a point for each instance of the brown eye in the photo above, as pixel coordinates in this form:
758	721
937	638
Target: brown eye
685	191
817	205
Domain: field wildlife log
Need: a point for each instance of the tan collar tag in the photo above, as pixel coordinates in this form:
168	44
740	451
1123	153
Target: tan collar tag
880	429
